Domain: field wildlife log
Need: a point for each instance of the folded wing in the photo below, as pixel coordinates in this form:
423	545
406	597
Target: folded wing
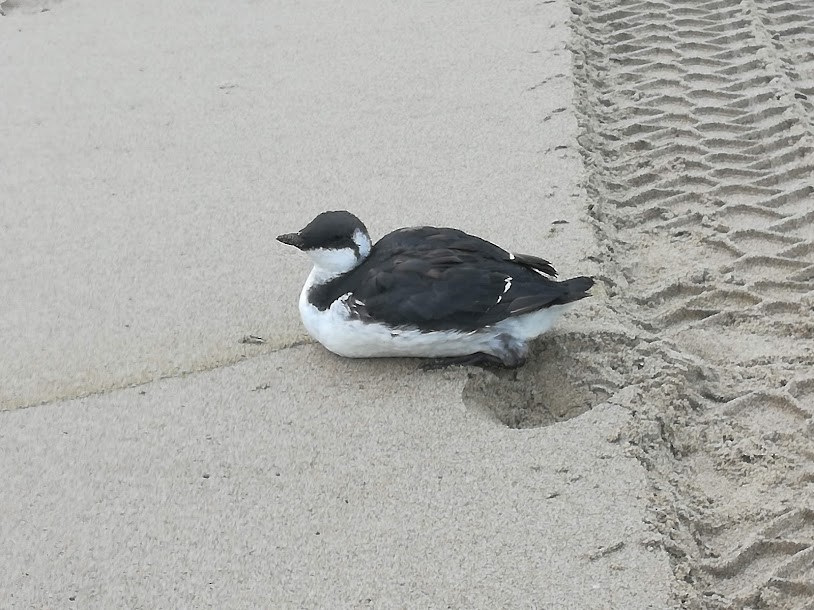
450	280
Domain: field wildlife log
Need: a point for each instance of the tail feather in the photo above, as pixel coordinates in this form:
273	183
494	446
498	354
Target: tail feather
535	262
568	291
576	288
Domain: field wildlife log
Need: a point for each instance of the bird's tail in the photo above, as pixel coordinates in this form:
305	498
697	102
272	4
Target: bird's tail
552	293
574	289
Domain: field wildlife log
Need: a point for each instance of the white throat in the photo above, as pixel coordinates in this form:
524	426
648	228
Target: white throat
330	263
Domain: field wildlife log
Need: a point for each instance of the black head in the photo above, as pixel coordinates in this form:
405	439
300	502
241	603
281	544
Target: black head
328	231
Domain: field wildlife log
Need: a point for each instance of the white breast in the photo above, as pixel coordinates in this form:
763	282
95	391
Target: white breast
335	329
347	336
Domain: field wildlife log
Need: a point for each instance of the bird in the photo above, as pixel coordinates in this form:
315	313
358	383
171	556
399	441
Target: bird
427	292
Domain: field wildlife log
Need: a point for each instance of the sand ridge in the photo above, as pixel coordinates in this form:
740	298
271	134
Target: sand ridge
698	135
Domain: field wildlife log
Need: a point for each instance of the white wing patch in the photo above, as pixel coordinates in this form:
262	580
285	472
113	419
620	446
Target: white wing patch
508	285
351	304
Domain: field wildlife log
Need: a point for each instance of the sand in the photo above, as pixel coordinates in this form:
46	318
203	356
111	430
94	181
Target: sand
696	125
655	452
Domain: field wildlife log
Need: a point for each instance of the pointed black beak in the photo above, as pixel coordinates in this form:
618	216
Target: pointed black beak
291	239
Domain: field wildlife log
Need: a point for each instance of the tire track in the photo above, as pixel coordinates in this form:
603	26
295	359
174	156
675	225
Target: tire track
790	26
697	130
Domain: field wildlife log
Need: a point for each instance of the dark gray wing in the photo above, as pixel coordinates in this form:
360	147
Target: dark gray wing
435	279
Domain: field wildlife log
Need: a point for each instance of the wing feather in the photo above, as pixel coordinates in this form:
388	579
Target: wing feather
446	279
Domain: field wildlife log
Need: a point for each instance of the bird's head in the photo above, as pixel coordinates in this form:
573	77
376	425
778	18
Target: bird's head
336	242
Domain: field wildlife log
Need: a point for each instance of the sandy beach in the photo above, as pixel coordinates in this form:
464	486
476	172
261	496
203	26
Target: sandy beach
171	438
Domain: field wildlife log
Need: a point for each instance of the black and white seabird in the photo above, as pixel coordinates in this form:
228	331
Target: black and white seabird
425	292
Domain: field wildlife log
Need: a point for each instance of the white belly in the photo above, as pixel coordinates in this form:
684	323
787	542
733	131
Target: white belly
351	338
528	326
335	329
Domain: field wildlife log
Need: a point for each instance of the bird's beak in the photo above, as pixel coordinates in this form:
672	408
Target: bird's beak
291	239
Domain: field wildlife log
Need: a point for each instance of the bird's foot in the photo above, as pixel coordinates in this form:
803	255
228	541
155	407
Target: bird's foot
479	359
